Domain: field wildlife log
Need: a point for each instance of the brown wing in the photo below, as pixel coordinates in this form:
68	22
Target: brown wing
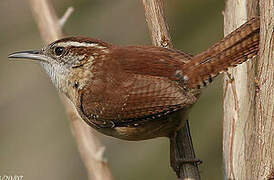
150	60
126	89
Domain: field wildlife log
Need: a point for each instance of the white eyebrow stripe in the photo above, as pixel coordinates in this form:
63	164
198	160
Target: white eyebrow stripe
80	44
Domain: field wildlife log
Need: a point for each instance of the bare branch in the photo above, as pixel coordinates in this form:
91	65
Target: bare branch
90	148
155	17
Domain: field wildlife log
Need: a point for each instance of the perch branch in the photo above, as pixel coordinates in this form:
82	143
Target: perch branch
91	150
156	20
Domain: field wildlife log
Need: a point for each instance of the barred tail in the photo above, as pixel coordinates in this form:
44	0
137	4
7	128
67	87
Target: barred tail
234	49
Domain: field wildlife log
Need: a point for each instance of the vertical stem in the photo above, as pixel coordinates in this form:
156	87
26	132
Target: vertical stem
264	97
91	150
248	100
155	17
239	91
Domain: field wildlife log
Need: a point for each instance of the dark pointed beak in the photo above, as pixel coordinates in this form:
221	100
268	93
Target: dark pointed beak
34	55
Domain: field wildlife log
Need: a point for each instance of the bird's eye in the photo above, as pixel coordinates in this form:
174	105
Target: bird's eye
59	51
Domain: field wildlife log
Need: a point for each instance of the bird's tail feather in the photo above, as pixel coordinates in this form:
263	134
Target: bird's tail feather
234	49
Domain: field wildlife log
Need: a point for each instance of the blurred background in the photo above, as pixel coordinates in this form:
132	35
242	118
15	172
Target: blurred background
35	137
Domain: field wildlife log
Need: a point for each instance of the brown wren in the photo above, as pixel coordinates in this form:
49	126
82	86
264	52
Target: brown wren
132	92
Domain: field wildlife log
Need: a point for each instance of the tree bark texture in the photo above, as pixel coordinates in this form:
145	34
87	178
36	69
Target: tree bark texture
249	99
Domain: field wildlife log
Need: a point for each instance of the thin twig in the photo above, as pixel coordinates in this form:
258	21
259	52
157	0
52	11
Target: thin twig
91	150
155	17
64	18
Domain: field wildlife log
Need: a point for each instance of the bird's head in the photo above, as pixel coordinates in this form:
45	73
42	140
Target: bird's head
68	61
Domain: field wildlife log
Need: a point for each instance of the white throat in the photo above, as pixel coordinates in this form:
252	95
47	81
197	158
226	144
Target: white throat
58	75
